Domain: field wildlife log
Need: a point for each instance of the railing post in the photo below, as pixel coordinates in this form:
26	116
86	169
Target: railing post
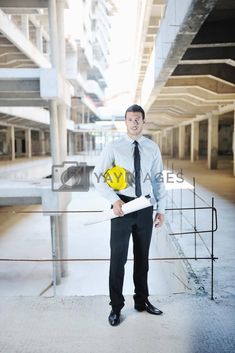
172	196
212	249
54	257
194	218
181	205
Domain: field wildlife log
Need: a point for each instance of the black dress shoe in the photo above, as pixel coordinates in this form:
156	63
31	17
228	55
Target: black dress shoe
147	306
114	318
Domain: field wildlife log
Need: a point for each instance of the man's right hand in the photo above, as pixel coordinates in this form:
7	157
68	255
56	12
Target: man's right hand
117	208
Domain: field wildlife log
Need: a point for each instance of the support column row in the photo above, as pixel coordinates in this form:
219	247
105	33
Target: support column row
212	141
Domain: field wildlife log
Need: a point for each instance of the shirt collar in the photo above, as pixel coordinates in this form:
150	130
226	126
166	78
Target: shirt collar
139	140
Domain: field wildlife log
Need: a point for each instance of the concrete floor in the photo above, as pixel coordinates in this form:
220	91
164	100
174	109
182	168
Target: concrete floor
79	325
191	323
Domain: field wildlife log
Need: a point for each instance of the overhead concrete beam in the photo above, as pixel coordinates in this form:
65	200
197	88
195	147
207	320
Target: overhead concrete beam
197	92
32	4
15	36
38	115
19	102
206	53
47	82
223	71
178	28
19	86
207	82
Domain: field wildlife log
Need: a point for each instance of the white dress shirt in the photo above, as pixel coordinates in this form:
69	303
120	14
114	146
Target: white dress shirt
120	153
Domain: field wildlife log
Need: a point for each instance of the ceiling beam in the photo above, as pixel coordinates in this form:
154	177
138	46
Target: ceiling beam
32	4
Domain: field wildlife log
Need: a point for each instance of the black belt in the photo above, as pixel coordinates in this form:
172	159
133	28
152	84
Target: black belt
129	198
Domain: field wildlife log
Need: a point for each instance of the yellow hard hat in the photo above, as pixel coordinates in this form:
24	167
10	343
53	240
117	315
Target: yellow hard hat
116	178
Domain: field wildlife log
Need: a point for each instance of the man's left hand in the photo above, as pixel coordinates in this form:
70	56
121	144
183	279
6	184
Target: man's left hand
159	220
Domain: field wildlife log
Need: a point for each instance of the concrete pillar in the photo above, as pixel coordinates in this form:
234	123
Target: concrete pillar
71	142
84	142
194	141
93	143
212	148
54	52
25	25
164	142
42	142
10	137
63	222
160	141
54	129
54	133
75	138
181	141
88	115
170	142
61	107
61	34
28	143
155	138
39	39
83	113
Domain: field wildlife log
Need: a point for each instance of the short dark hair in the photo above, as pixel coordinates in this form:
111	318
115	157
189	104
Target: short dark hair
135	109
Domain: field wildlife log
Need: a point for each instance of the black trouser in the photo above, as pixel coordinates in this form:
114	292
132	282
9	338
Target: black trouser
140	224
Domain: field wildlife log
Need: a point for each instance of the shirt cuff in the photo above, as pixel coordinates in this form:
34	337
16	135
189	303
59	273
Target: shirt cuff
113	198
161	207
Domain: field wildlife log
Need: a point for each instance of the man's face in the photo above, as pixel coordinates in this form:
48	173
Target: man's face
134	123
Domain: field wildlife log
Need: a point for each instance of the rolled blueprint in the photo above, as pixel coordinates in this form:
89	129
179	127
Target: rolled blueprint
131	206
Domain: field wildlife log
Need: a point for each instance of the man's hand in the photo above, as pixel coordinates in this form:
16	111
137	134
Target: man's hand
158	220
117	208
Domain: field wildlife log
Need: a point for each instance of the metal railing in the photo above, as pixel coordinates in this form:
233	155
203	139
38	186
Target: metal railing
174	208
195	229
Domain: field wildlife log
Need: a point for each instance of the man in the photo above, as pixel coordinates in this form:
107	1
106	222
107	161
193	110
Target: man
142	157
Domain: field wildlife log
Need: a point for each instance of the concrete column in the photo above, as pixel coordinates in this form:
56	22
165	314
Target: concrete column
28	143
54	129
181	141
71	142
83	113
54	133
155	138
170	142
194	141
39	39
62	108
84	142
25	25
93	143
164	139
75	142
42	142
11	141
54	52
61	35
63	222
160	141
213	141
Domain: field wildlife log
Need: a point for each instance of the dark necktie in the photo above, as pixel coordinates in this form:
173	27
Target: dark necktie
137	169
